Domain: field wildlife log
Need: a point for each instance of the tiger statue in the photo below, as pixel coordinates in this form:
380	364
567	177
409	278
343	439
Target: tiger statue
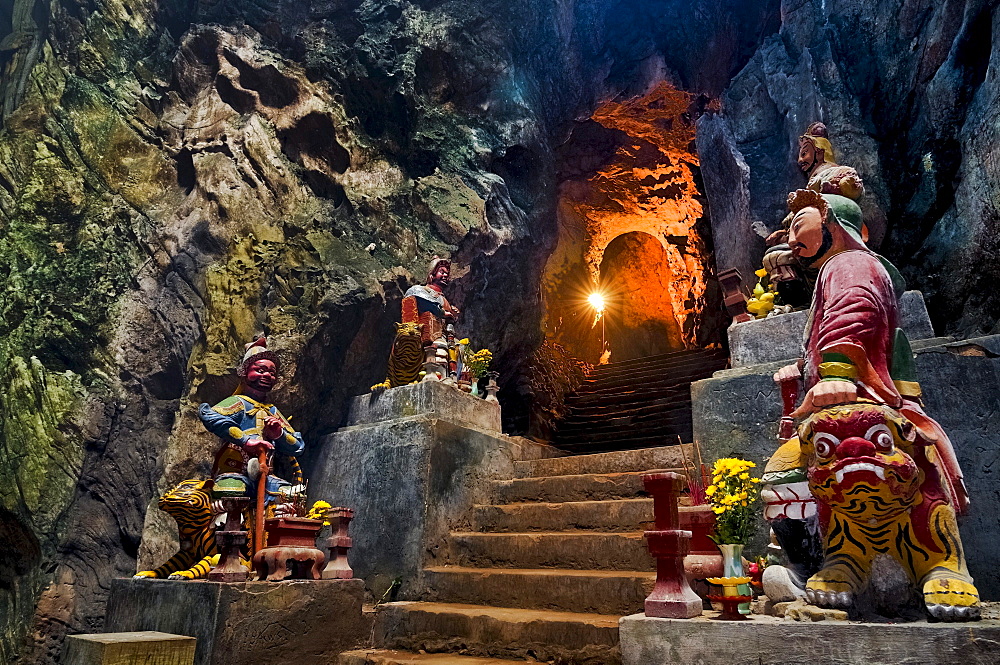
192	507
880	495
406	358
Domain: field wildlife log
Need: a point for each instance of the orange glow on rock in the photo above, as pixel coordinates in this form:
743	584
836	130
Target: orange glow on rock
647	188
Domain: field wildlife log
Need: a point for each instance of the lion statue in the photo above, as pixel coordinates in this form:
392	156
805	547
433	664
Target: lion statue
882	504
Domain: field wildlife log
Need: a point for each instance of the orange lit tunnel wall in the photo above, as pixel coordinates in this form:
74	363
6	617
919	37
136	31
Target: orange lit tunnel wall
628	227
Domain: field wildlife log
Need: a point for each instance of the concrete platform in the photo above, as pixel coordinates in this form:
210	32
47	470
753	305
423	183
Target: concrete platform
428	398
280	623
736	413
147	647
780	337
764	640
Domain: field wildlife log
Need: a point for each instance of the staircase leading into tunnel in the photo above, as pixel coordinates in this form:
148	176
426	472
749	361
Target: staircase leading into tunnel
636	403
542	574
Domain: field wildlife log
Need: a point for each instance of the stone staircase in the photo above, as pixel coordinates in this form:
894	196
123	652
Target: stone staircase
543	574
636	403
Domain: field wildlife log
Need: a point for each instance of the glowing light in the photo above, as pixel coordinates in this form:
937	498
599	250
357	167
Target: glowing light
596	300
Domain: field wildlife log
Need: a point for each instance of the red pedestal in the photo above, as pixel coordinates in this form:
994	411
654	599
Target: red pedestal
338	544
291	550
672	597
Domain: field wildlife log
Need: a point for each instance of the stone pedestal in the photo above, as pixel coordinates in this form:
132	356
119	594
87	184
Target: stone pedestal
245	623
338	567
146	647
410	463
772	641
672	596
780	337
737	412
432	399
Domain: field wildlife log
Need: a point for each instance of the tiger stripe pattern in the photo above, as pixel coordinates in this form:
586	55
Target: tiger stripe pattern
880	495
406	359
191	506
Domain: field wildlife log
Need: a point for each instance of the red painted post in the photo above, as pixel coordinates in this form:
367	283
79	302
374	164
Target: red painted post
672	597
339	543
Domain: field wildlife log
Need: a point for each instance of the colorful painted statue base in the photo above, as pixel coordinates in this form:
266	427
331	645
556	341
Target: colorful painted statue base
882	505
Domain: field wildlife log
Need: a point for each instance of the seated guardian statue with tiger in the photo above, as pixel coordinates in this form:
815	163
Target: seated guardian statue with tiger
421	343
884	483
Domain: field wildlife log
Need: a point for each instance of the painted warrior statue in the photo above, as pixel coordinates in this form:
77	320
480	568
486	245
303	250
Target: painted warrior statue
248	423
878	475
825	176
425	305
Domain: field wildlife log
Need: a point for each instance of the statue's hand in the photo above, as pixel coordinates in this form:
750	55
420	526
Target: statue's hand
824	394
787	373
255	446
779	237
272	428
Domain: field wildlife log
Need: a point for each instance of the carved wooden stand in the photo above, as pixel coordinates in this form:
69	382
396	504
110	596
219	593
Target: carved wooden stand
231	540
672	597
338	543
290	539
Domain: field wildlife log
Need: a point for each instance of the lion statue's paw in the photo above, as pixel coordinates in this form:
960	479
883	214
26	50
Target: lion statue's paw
951	600
830	587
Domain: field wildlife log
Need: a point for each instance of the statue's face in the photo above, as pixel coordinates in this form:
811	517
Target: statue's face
805	235
808	155
262	375
441	275
859	461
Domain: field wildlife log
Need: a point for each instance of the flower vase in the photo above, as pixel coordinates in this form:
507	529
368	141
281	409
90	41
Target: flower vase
475	387
732	566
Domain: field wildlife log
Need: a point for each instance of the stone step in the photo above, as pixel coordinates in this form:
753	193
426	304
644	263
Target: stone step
612	444
628	427
598	591
478	630
572	487
662	430
661	359
650	380
679	412
392	657
663	457
682	396
636	395
653	374
578	550
616	515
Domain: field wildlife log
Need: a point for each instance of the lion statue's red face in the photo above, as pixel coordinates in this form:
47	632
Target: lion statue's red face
859	462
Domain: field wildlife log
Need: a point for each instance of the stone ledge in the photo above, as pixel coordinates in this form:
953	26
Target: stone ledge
432	398
771	641
147	646
779	338
246	623
410	481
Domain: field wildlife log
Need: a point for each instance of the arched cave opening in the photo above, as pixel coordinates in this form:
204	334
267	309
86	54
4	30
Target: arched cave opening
633	226
637	280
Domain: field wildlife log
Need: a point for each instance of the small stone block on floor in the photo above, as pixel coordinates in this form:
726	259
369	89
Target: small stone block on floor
148	647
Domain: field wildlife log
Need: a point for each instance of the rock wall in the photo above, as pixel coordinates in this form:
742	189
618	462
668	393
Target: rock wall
908	90
178	175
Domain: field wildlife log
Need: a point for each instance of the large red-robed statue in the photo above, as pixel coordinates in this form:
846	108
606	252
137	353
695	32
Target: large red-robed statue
878	476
